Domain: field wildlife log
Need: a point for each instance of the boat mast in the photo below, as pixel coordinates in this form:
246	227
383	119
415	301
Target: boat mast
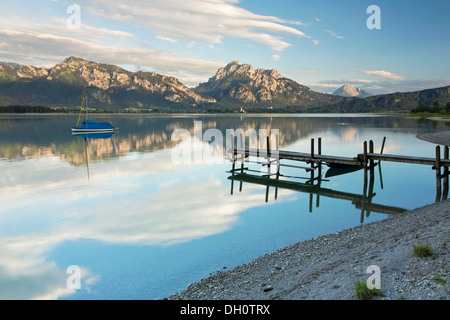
84	100
83	103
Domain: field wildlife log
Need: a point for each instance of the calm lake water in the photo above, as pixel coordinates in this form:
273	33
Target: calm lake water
140	225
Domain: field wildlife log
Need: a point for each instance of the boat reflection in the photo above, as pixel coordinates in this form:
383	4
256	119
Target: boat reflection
93	135
87	136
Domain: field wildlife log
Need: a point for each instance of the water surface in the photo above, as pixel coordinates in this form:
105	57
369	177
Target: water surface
140	226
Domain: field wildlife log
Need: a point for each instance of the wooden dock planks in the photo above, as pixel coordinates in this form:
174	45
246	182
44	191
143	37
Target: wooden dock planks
404	159
357	161
297	156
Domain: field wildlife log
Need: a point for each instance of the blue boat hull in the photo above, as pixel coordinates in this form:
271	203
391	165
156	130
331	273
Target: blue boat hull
92	126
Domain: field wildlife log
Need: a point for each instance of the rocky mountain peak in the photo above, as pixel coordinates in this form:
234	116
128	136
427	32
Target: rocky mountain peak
108	82
238	82
350	91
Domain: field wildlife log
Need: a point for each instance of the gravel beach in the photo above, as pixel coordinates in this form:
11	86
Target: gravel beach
326	268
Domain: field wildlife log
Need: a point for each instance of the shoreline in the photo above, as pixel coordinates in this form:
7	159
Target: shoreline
326	267
442	138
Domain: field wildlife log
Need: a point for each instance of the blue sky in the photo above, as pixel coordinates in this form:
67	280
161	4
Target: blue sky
322	44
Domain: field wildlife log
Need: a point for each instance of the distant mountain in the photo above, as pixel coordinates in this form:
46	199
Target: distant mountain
239	84
396	102
350	91
236	85
109	87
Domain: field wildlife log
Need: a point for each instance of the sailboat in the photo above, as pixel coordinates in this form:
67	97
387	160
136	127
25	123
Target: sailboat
90	125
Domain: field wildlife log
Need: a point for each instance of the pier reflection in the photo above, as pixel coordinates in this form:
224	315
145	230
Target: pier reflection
313	186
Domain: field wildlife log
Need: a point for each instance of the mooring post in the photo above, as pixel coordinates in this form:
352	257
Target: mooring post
371	178
319	174
319	146
365	154
364	198
438	173
382	145
372	162
268	153
243	153
365	163
233	163
445	191
372	172
312	162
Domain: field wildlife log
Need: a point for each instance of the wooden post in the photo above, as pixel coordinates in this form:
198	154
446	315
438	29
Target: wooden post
233	166
319	151
371	161
445	191
319	174
371	179
365	154
365	164
438	173
364	198
278	178
312	162
371	151
372	173
232	185
382	145
243	155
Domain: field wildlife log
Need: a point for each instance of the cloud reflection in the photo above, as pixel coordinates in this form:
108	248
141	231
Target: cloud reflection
138	199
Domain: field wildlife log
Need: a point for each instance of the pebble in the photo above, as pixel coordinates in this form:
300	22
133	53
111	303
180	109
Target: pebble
315	273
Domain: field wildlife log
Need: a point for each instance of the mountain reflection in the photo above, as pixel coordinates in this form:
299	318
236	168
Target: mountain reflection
50	136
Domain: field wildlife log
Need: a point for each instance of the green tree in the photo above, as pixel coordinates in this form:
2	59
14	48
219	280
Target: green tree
435	108
420	108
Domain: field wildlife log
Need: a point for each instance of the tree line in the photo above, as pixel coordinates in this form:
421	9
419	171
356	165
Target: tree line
31	109
435	107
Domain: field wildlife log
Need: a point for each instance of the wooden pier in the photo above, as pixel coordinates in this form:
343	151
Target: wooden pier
314	160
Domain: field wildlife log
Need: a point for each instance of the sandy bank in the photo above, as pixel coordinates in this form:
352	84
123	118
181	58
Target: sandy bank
325	268
437	137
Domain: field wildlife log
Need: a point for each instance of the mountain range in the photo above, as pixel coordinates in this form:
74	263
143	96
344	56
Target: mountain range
232	87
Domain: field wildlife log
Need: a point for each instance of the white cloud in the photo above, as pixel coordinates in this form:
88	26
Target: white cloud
322	86
22	46
200	20
347	81
385	75
275	57
166	39
334	35
46	41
